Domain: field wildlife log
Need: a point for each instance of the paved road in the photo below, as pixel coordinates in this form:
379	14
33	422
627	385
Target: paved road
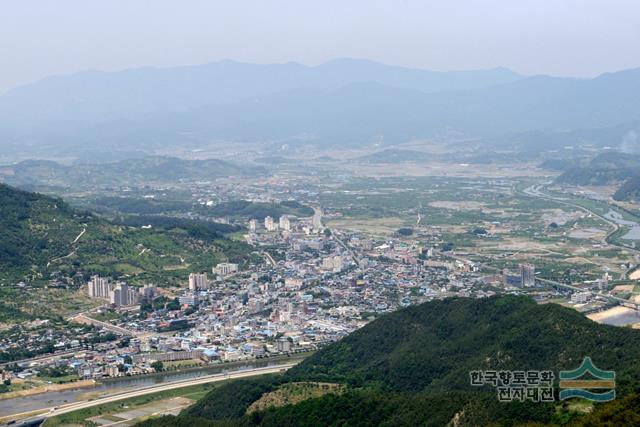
613	298
353	254
82	318
70	407
269	258
318	212
84	230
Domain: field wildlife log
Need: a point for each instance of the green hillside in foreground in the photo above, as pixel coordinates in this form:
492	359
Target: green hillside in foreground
411	367
41	236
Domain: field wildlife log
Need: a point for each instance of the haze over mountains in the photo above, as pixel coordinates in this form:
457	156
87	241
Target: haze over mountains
95	96
340	102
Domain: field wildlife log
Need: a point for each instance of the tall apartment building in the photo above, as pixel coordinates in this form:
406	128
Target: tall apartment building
269	224
527	275
253	225
123	295
225	268
147	292
99	287
198	281
316	221
285	224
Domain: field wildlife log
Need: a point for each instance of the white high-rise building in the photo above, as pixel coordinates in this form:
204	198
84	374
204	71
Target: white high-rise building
527	275
225	268
116	296
269	224
198	281
147	292
285	224
253	225
122	295
99	287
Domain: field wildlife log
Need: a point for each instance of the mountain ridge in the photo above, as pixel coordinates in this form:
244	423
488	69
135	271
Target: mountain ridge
334	105
411	367
215	83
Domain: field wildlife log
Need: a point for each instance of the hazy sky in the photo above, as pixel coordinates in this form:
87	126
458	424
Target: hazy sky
559	37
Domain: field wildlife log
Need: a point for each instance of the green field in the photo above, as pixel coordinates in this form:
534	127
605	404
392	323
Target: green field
78	417
563	240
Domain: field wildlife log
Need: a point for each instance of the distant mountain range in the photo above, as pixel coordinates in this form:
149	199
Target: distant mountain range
340	102
96	97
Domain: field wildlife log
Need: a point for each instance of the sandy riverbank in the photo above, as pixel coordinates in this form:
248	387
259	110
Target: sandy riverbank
47	388
618	316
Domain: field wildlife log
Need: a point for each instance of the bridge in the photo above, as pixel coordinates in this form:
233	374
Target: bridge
617	300
82	318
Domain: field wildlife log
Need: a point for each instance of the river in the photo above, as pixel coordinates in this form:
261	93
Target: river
634	227
56	398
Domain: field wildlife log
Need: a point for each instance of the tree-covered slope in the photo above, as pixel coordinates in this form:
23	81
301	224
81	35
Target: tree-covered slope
630	190
136	171
259	210
411	367
41	235
605	168
434	346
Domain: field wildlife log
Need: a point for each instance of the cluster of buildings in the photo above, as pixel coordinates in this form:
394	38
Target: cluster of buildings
198	281
332	263
525	277
119	294
317	287
270	224
225	269
284	224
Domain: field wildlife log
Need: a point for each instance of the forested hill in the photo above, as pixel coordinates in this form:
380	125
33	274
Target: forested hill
411	367
42	237
629	191
434	346
605	168
133	171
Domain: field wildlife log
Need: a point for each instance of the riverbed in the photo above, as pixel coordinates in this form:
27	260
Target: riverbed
116	385
633	232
